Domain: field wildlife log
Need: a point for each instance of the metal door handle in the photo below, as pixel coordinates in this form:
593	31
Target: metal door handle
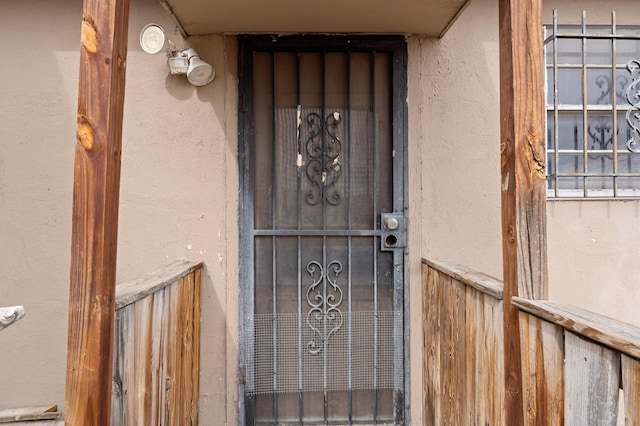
394	231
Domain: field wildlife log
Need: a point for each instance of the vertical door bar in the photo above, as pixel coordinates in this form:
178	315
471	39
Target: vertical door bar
274	180
349	243
375	245
299	224
324	242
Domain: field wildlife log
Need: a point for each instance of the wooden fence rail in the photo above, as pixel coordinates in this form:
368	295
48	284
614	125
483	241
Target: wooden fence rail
574	362
157	348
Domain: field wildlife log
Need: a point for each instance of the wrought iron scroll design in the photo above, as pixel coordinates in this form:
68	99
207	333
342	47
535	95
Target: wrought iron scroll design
323	168
324	296
633	113
600	128
605	85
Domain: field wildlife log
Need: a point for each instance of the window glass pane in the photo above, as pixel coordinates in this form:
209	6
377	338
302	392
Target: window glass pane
629	186
550	131
599	52
570	86
600	186
600	163
570	132
600	86
565	183
600	132
570	163
628	162
627	50
569	51
550	85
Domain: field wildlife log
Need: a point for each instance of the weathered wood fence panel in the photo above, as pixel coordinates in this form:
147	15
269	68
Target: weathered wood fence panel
600	358
574	362
464	366
542	366
631	382
592	375
157	348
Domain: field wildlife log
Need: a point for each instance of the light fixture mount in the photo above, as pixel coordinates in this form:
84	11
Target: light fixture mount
186	61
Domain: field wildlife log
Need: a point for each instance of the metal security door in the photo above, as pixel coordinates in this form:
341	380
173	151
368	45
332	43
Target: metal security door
323	230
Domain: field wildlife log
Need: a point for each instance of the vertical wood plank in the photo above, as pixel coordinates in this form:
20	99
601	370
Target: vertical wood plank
631	385
471	370
452	350
129	364
158	337
457	398
195	371
481	369
446	364
142	358
522	131
494	309
187	349
94	232
168	345
542	364
174	349
432	294
592	377
117	395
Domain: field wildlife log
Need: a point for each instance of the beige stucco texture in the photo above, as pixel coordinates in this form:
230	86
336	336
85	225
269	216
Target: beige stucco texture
179	188
178	191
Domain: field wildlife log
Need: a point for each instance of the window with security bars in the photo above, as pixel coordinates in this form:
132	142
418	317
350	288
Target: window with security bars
593	110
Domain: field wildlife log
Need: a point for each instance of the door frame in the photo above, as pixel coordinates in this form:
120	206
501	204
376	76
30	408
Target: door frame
247	45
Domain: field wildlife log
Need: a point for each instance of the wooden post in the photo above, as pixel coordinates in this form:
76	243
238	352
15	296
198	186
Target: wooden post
522	129
95	211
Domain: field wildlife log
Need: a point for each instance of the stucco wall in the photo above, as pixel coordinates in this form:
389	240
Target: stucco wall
457	133
178	191
37	115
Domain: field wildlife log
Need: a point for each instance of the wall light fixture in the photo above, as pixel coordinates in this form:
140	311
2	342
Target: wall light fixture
186	61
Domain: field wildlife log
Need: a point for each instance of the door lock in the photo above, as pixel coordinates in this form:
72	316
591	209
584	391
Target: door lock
394	231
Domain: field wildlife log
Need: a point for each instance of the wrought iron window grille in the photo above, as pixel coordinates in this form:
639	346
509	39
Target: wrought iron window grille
593	110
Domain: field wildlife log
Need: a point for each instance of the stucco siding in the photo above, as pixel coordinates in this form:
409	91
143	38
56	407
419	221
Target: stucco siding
37	115
178	191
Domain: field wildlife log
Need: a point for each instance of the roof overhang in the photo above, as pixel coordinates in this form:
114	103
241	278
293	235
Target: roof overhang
428	17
